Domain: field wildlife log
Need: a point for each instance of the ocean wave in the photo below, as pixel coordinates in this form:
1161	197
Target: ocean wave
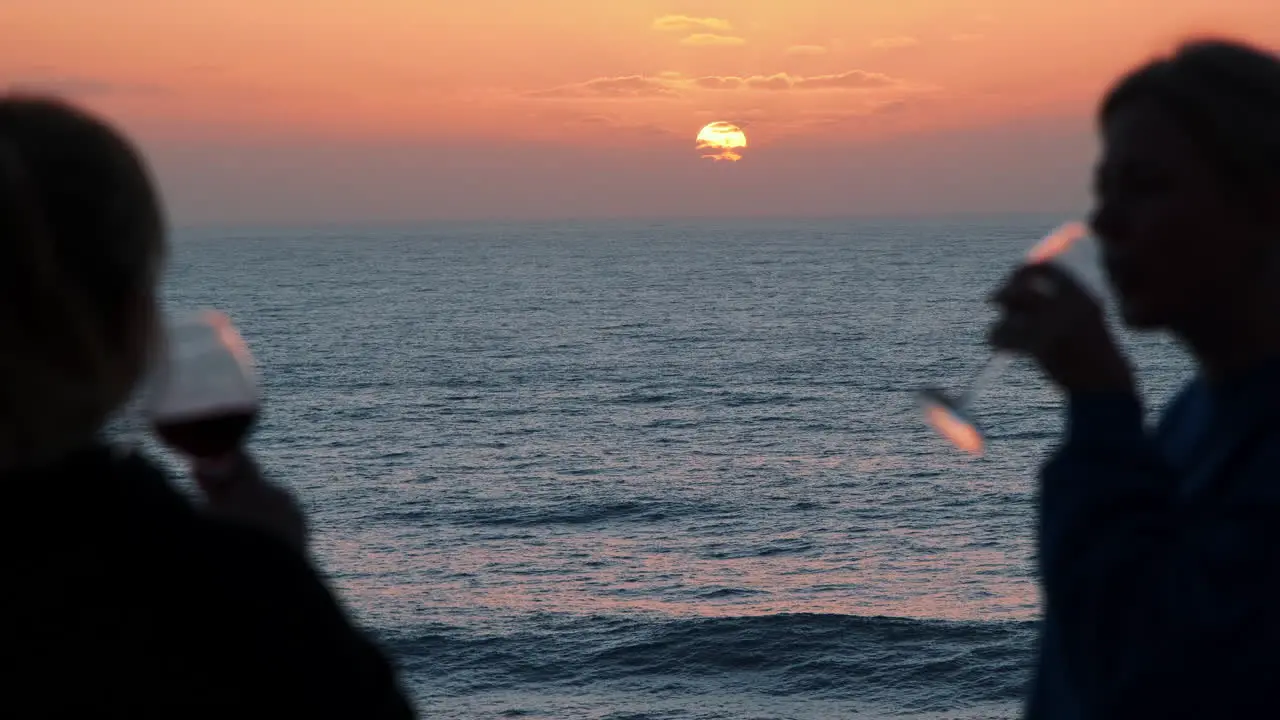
1033	435
916	665
646	397
573	511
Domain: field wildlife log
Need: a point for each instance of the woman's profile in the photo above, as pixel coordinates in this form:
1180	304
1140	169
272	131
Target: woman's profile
1159	551
126	600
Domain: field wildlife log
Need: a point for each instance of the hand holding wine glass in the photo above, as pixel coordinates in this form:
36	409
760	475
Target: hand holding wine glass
1049	317
1059	281
203	403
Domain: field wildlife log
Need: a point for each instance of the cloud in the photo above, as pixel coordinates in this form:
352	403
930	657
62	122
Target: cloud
851	80
712	40
627	87
73	86
895	42
968	37
684	23
806	50
780	81
723	155
713	82
670	85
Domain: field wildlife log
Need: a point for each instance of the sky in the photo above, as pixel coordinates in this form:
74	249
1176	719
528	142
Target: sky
334	111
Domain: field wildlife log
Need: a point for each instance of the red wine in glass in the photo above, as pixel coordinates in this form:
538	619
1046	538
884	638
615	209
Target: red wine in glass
204	398
214	436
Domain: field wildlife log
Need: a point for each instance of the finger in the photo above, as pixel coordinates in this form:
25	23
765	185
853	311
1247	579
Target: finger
1028	285
1032	322
1066	286
217	476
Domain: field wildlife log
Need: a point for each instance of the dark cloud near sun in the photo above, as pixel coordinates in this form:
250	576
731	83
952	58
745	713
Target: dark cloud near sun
627	87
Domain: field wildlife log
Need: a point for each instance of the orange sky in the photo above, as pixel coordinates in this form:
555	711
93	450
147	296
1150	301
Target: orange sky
412	109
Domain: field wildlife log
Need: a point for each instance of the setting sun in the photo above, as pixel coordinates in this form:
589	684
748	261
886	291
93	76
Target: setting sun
721	141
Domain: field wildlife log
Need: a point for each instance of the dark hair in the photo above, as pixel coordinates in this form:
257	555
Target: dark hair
1226	94
81	240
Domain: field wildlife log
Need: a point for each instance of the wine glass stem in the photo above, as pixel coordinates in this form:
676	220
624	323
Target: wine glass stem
995	366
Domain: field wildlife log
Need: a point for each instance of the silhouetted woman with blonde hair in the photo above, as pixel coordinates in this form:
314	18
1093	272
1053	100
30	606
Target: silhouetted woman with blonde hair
126	600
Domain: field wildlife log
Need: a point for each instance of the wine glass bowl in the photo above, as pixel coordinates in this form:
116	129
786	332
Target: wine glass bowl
948	416
1057	243
204	397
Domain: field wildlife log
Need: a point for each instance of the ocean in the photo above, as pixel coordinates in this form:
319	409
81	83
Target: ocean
655	470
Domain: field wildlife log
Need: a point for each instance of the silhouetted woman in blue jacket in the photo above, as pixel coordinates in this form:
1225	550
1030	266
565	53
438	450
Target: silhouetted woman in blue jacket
1159	550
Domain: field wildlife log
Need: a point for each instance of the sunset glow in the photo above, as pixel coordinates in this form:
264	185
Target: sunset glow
397	108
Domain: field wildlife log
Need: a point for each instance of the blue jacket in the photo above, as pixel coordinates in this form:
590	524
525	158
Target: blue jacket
1159	556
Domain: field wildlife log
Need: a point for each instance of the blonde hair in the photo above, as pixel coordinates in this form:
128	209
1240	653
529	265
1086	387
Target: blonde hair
81	243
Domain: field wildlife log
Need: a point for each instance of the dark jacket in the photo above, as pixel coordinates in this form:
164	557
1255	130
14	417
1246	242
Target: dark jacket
1160	557
125	601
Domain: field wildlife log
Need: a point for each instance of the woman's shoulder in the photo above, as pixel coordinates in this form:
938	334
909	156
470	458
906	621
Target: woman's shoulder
129	501
205	537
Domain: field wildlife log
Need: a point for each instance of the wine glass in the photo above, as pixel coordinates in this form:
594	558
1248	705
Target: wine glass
1068	247
204	397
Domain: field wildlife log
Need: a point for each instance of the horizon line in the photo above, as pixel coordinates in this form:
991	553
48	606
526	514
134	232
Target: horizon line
590	219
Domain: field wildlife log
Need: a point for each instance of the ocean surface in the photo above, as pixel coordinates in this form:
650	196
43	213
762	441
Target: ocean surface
655	470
